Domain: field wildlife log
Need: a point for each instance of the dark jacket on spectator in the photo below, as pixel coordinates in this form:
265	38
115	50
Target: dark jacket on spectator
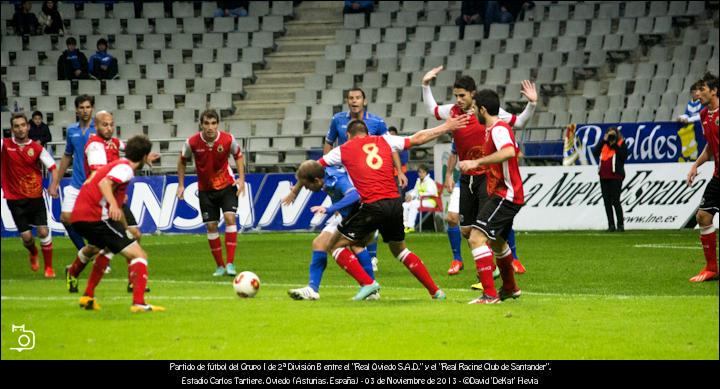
611	158
25	23
53	20
100	59
69	62
40	134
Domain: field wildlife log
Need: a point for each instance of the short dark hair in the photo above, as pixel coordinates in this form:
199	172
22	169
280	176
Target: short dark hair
17	115
489	99
70	41
424	168
696	85
310	170
209	114
465	82
137	148
393	129
710	80
83	98
356	126
355	89
37	113
102	41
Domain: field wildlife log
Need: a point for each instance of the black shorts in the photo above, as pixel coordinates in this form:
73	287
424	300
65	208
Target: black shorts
710	202
496	217
28	213
129	217
385	215
473	196
212	201
104	234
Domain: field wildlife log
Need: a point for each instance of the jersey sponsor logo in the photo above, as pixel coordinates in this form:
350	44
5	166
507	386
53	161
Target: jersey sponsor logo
220	149
31	152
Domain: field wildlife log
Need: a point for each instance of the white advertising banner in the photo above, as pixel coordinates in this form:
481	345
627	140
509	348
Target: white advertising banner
654	196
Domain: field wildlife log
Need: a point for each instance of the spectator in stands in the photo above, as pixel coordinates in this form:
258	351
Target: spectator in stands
51	20
72	64
3	97
612	153
231	8
102	66
24	21
39	131
356	7
694	106
469	14
425	186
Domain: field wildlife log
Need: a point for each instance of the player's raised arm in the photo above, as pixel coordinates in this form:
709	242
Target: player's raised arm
528	90
451	124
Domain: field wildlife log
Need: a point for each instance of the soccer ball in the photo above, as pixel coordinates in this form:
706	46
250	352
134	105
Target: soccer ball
246	284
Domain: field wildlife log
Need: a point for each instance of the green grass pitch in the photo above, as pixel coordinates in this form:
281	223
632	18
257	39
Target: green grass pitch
586	295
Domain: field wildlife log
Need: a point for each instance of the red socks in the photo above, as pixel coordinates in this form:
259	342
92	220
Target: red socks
709	243
413	263
98	270
349	262
139	277
507	272
484	264
230	242
216	248
47	250
32	249
78	264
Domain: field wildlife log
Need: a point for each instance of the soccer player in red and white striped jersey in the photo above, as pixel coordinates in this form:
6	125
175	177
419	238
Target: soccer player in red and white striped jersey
710	203
469	145
368	161
506	197
100	221
23	189
217	187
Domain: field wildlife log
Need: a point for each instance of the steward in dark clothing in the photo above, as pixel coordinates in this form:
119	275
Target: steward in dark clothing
611	154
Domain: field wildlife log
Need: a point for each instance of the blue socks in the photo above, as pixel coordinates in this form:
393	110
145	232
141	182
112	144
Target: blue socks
365	260
372	248
74	236
455	242
511	243
317	267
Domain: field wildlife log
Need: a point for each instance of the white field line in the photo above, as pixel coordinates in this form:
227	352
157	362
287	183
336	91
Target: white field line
666	246
231	297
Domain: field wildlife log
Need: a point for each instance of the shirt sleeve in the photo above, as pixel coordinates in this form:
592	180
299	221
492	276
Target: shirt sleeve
186	152
501	137
381	127
121	145
440	112
397	143
47	160
332	158
235	148
507	117
121	173
96	156
69	147
332	132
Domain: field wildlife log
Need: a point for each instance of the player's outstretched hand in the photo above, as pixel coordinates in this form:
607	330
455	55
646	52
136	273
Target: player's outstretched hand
318	209
691	175
181	192
431	74
402	179
467	165
458	122
53	191
528	90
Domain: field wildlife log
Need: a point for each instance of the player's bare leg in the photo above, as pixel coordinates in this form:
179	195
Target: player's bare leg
29	243
708	238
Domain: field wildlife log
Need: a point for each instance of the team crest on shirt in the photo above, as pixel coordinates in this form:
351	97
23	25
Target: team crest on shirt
31	152
220	149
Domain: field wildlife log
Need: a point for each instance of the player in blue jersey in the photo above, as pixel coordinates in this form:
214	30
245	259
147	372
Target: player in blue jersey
77	136
337	135
336	183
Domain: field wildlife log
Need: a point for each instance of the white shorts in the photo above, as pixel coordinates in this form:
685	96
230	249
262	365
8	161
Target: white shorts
454	205
70	194
332	223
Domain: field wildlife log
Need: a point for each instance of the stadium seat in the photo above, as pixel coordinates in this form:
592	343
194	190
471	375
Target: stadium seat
55	88
196	101
183	10
49	104
225	24
248	24
175	86
163	102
